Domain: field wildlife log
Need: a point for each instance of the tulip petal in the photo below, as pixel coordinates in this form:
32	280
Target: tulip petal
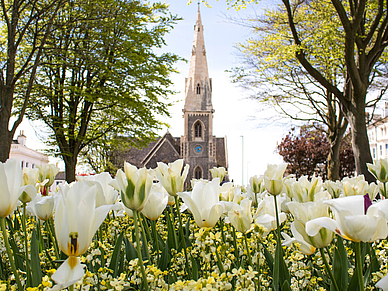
383	283
313	226
67	275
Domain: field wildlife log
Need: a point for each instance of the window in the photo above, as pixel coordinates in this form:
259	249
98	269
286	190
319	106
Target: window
198	89
26	164
386	149
198	129
198	173
381	150
22	164
374	153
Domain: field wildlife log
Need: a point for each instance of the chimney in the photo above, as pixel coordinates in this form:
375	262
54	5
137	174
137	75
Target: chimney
22	138
385	113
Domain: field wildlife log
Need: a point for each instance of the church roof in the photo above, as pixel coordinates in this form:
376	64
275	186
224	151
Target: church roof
198	86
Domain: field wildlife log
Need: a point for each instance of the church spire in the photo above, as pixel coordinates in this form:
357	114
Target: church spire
198	85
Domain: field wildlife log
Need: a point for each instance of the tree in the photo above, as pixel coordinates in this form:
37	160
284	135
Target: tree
25	28
278	79
306	153
365	25
101	75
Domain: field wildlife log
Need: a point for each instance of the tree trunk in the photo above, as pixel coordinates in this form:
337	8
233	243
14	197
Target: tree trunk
70	166
333	161
360	143
5	139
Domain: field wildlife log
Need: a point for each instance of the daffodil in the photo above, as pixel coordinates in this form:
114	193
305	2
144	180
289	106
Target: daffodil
273	178
203	202
352	220
76	220
171	176
156	203
134	186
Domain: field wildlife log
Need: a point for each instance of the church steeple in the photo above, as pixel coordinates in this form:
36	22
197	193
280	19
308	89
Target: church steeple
198	87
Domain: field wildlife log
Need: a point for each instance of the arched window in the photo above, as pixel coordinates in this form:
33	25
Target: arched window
198	129
198	172
198	89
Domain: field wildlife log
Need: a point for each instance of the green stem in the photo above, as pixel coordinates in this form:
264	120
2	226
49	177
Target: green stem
156	245
221	221
71	287
359	264
235	247
138	249
248	252
52	238
182	235
9	253
26	256
145	237
276	271
385	190
328	270
172	219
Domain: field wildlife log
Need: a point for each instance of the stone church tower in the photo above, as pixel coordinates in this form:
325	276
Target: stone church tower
198	143
198	146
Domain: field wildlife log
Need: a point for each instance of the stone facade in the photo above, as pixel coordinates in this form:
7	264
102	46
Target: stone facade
198	146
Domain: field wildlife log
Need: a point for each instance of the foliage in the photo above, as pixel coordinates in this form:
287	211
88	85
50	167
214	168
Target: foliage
25	26
221	258
101	75
306	153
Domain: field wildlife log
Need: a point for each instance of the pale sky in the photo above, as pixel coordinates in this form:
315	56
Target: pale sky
235	116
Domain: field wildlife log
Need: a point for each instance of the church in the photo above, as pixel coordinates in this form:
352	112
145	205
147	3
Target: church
198	146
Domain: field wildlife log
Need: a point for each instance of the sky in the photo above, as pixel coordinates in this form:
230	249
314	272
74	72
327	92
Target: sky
251	140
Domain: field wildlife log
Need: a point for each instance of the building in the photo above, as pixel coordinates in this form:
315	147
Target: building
378	136
27	157
198	146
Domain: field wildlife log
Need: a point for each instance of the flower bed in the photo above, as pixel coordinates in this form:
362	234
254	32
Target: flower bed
131	233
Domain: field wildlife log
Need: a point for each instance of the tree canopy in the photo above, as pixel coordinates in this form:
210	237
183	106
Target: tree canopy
306	153
25	26
101	74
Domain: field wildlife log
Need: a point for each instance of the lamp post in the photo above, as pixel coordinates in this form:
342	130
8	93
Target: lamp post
242	160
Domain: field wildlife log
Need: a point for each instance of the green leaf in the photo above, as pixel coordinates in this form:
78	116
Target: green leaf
171	236
116	254
35	261
165	258
194	268
340	264
130	252
268	259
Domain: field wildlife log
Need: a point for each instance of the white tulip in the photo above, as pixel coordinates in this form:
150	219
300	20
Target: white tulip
351	221
203	202
171	176
156	203
11	189
134	186
273	178
240	215
76	220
